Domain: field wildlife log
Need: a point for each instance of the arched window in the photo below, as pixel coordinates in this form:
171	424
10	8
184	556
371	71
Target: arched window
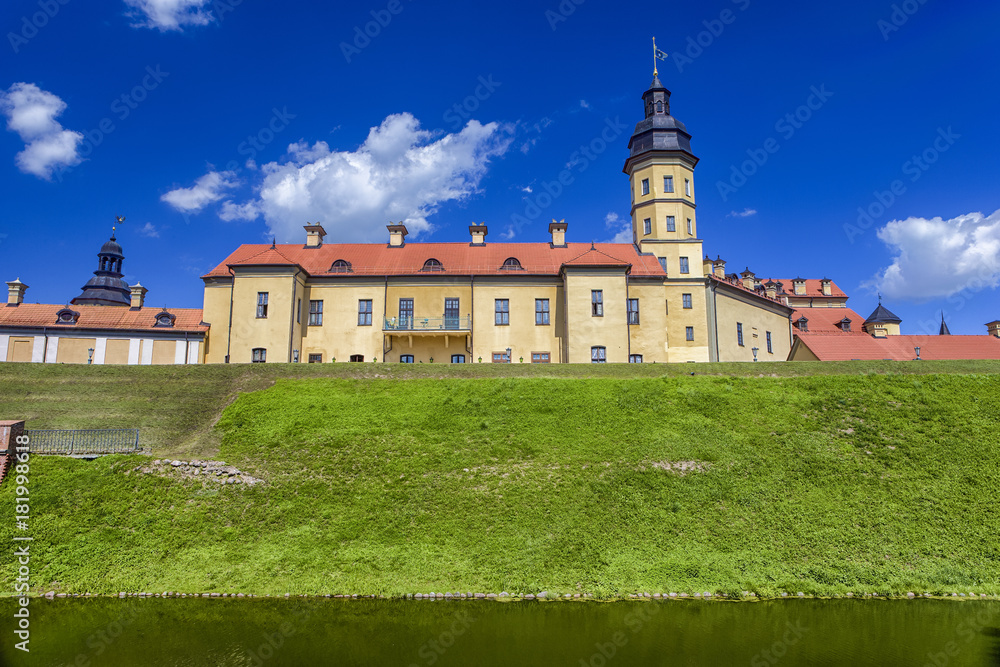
67	316
511	264
341	266
164	319
433	265
659	107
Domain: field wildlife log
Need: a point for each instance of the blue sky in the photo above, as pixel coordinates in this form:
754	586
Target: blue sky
210	123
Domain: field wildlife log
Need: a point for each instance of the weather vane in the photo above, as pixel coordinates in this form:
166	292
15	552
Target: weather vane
119	219
658	54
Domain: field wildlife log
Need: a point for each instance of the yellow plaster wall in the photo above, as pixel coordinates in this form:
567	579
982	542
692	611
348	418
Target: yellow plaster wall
216	313
272	332
19	349
756	321
611	330
116	351
74	350
164	352
679	349
649	337
522	335
340	336
678	205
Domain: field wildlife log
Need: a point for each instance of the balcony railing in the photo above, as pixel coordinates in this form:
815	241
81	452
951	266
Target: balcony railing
450	323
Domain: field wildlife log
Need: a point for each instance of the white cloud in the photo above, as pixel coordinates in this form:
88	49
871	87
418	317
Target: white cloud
169	14
32	112
206	190
745	213
150	230
400	173
937	258
584	104
622	228
527	188
230	211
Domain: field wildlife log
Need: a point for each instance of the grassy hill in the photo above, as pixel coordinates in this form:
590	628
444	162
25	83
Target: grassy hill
608	480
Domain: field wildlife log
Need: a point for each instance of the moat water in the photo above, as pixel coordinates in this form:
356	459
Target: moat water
240	632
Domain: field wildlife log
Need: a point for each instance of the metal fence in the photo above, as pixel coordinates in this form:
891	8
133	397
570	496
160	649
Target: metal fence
84	442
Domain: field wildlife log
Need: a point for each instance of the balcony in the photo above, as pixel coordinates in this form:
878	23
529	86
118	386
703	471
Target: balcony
430	325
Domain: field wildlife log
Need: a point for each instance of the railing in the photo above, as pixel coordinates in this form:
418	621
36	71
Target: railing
84	442
448	323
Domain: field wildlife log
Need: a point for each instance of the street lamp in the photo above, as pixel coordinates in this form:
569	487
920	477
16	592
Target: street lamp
90	355
754	350
508	355
917	350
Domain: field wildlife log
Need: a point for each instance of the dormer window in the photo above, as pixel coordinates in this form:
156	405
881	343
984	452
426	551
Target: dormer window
341	266
433	265
165	319
67	316
844	324
802	324
511	264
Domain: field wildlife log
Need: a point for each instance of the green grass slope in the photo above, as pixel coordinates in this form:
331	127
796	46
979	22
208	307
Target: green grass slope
609	485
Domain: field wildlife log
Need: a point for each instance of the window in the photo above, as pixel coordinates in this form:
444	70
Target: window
769	350
686	300
315	313
315	358
501	314
597	303
451	313
539	357
341	266
406	313
647	226
633	311
541	311
645	186
364	312
298	312
511	264
598	355
689	333
261	305
690	228
663	263
739	334
668	183
671	224
163	319
258	355
458	358
406	358
433	265
500	358
684	265
635	358
357	357
687	187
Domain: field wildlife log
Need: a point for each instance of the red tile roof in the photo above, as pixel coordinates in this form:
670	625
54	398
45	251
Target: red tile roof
848	346
595	257
377	259
814	288
118	318
824	320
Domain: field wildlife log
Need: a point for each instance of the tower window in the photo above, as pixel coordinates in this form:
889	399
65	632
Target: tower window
689	333
686	300
598	355
647	226
690	227
739	334
684	265
645	186
261	305
633	311
597	303
668	183
687	187
671	224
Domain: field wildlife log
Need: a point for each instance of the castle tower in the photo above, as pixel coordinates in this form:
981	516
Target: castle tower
107	288
660	167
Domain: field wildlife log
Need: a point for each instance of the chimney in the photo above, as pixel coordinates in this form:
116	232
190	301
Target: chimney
771	289
478	233
558	231
749	279
314	235
397	235
138	295
708	266
993	328
799	286
719	268
15	292
825	284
